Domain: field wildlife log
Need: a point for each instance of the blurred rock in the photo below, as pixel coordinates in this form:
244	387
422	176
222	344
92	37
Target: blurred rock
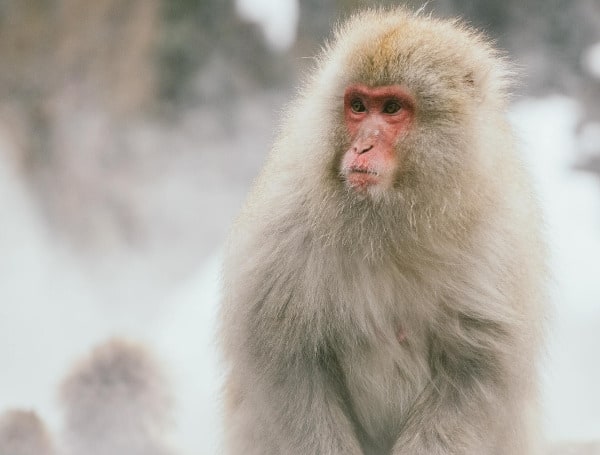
23	433
116	402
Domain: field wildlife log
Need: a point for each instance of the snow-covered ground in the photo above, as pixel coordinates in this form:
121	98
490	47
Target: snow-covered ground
51	312
571	201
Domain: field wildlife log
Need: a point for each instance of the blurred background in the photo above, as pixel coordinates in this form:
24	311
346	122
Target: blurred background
130	131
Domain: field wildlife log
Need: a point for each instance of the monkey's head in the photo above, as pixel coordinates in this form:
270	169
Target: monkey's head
411	98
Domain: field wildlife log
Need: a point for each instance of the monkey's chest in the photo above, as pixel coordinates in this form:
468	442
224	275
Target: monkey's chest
380	320
384	378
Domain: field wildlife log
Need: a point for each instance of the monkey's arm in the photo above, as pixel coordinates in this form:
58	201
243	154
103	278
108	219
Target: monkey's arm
284	396
291	407
474	387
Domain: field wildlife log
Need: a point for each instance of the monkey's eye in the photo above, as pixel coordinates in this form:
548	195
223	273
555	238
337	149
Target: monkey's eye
392	107
357	105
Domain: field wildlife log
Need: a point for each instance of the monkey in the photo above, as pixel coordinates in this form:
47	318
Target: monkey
24	433
116	401
384	286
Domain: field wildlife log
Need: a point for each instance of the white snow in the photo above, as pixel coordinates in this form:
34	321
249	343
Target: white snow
46	312
571	201
278	20
589	139
51	314
591	60
188	341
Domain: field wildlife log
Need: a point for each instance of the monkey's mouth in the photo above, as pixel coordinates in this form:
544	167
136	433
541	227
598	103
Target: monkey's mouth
362	170
361	177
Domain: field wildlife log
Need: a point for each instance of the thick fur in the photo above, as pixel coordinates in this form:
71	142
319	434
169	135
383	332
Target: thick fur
320	280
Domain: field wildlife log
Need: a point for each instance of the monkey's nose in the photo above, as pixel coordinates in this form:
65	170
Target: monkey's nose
363	149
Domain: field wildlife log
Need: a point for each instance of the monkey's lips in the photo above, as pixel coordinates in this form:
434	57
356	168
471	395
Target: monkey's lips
362	177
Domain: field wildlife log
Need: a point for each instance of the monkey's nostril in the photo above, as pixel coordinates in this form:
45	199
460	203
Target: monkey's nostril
364	150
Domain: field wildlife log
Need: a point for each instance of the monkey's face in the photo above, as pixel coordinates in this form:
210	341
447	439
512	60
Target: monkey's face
376	119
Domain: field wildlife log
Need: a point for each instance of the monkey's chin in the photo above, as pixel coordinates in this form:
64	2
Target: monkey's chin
365	184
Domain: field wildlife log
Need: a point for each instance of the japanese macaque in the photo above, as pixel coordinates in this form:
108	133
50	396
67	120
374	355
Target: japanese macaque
116	403
384	284
24	433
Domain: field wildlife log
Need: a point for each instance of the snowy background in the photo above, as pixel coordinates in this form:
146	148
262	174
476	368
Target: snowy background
117	187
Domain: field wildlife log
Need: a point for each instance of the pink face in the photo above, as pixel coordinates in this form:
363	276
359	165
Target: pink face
377	119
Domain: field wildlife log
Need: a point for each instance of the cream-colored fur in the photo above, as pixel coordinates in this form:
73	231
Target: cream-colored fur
406	321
